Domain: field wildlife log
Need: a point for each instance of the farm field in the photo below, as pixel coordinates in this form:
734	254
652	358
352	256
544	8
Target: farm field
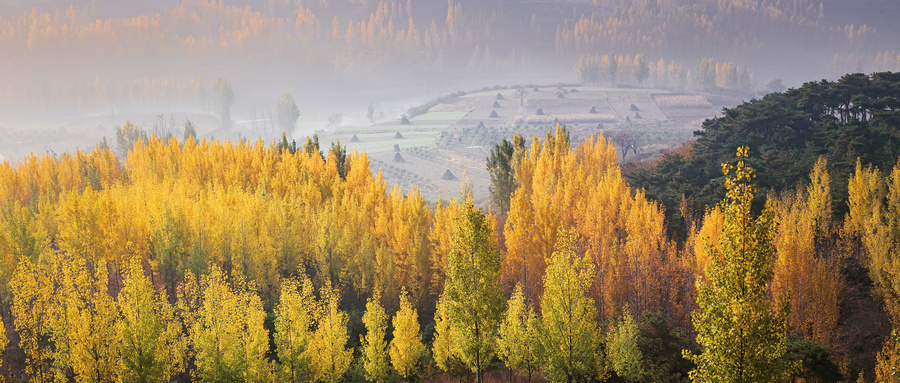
457	134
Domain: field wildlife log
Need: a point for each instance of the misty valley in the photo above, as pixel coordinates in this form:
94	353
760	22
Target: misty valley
449	191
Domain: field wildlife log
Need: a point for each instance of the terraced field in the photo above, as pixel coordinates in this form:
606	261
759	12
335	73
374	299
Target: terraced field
457	135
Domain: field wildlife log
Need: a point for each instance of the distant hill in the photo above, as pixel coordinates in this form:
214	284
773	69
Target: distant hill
857	116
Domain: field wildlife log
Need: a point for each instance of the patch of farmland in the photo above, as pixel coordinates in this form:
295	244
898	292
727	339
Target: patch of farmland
439	116
681	101
507	93
637	108
387	145
556	107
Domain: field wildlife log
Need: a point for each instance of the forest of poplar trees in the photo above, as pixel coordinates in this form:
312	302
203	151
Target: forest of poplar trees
245	261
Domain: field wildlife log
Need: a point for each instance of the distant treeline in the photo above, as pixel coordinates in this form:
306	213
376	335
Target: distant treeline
707	75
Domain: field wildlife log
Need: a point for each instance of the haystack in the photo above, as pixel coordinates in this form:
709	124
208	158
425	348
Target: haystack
637	115
599	125
627	119
634	108
354	139
574	90
405	121
480	124
396	147
398	136
560	95
494	114
593	110
448	176
539	112
536	89
398	158
496	105
500	96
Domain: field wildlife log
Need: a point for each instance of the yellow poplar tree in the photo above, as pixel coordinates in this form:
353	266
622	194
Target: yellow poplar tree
375	354
406	347
330	354
295	316
153	345
229	337
569	330
33	291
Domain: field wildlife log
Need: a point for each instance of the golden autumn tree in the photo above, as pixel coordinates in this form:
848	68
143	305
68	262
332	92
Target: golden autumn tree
330	355
406	347
33	292
582	188
874	203
153	345
295	317
374	345
229	338
804	264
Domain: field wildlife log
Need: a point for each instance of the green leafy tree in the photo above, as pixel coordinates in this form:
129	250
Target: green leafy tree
569	333
374	347
338	154
287	113
742	337
153	346
295	317
126	136
501	165
312	146
406	347
189	130
224	95
622	342
519	345
474	302
641	69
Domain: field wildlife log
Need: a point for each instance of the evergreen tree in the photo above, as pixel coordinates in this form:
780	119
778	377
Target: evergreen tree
474	301
742	337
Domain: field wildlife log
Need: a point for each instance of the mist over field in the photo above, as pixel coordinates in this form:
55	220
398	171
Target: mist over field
73	70
449	190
